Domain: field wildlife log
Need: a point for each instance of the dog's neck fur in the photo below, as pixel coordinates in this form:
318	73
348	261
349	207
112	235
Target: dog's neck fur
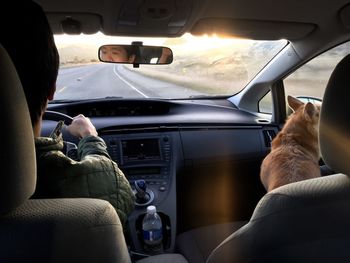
293	133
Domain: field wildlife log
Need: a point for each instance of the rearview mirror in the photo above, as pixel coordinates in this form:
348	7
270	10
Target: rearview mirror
135	54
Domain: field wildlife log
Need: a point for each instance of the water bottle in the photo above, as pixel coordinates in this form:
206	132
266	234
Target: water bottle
152	230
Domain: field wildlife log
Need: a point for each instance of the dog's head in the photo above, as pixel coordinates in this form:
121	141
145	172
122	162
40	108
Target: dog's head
309	112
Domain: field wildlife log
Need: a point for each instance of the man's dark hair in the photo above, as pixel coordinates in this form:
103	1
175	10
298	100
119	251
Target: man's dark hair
130	50
30	44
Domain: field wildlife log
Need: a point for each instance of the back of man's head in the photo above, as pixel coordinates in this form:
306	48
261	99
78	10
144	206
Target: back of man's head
28	39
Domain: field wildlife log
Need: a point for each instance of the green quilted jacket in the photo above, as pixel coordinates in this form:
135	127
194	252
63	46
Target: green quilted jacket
94	175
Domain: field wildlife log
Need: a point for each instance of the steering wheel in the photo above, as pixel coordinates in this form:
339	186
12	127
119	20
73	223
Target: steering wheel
69	148
57	116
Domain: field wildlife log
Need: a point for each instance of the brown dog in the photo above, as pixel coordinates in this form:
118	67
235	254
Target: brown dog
294	152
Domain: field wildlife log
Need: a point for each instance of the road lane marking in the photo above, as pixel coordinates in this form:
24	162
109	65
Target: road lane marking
128	83
62	89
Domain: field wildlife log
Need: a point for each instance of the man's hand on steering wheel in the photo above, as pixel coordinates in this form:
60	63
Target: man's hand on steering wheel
81	127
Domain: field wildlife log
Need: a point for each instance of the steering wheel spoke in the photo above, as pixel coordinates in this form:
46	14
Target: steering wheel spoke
70	148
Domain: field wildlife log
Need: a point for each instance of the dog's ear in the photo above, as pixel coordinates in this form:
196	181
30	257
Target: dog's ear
309	110
294	103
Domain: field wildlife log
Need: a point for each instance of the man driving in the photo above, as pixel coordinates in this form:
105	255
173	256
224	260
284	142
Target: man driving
31	46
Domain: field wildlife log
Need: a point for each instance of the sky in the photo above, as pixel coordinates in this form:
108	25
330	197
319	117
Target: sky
187	44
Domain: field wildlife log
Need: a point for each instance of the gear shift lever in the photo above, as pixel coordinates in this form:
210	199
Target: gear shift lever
142	196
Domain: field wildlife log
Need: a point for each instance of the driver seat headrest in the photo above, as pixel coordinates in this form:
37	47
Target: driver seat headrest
17	158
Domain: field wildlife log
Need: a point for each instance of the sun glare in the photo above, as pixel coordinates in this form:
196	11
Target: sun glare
188	42
99	39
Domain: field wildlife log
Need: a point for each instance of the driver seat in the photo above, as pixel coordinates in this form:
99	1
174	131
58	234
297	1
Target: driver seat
46	230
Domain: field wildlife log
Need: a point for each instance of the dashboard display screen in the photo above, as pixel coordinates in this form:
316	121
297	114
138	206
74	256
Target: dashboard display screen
141	149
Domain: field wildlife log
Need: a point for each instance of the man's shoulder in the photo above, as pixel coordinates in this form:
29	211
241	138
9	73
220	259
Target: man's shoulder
46	144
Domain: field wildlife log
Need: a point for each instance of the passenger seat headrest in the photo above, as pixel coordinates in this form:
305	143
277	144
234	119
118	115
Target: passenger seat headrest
17	151
335	119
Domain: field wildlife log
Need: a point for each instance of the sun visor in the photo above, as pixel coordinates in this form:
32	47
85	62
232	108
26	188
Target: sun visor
74	23
252	29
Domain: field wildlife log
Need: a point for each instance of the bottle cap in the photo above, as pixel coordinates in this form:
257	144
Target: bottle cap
151	209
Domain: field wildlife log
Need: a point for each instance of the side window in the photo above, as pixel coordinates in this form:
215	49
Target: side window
311	79
265	104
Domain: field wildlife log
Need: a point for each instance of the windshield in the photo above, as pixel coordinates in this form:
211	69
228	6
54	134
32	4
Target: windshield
202	66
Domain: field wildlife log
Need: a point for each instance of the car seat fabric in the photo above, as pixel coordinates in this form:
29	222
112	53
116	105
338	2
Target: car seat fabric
299	222
165	258
18	176
62	230
196	245
46	230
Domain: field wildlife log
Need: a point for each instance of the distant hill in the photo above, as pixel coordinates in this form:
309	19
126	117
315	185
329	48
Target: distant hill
72	54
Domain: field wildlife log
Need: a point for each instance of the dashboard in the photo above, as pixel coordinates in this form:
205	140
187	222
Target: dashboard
195	156
144	157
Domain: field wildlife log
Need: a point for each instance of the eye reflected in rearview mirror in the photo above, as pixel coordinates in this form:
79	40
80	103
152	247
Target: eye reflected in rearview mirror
134	54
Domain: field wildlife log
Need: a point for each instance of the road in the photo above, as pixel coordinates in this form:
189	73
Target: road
107	80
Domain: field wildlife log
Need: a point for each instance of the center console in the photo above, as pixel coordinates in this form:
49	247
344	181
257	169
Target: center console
151	159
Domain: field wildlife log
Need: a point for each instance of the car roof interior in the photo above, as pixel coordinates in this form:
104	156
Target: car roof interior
296	21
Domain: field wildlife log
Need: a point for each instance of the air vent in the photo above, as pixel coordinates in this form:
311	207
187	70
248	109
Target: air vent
268	137
263	121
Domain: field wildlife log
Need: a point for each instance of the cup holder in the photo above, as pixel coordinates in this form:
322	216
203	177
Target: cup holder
166	227
150	200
